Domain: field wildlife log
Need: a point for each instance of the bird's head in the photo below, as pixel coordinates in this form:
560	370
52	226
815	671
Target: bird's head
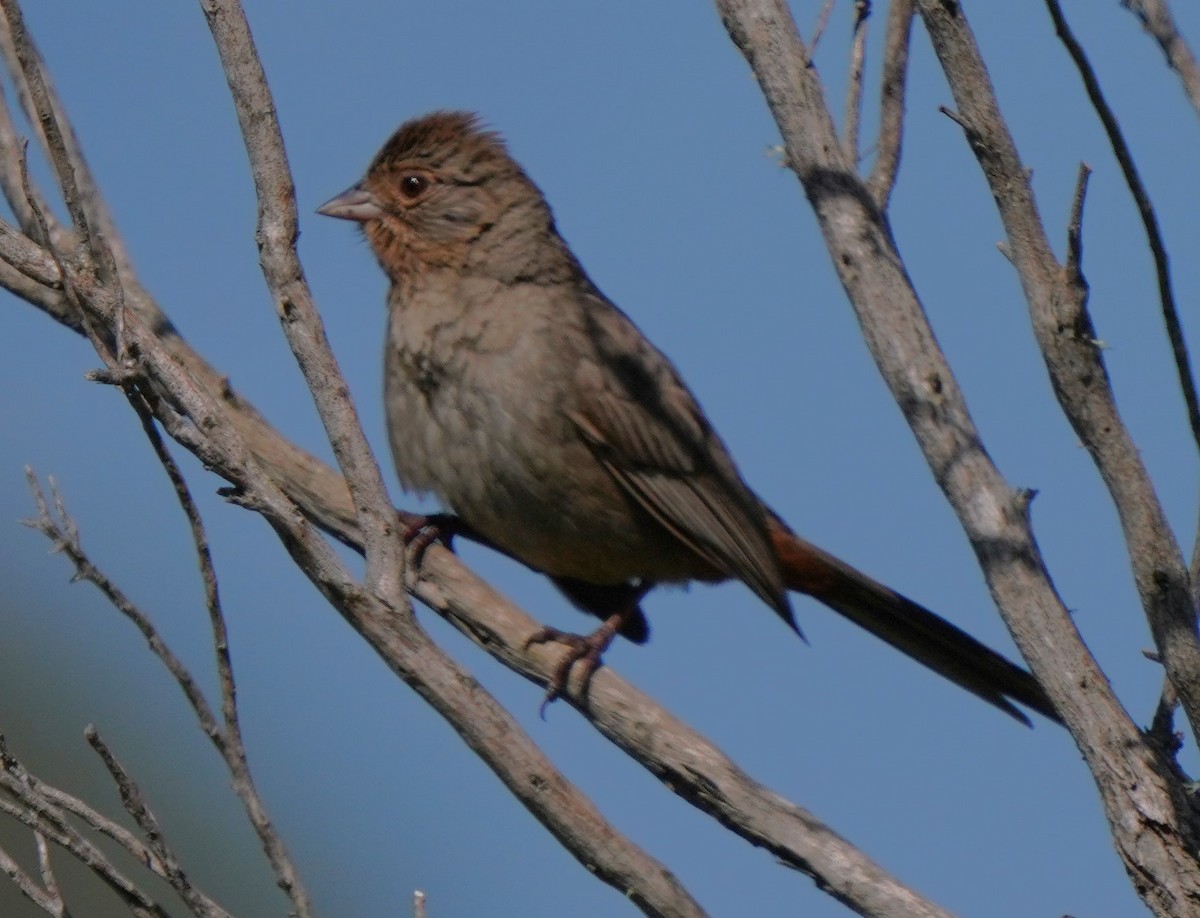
438	186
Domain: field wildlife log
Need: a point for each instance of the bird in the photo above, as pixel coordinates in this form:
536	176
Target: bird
550	428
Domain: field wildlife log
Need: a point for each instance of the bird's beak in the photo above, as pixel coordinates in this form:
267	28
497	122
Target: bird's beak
355	203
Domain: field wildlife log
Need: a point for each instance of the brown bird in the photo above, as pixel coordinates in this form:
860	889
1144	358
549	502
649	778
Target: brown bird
547	423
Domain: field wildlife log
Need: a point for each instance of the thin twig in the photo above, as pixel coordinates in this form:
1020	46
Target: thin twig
137	901
102	824
49	903
53	799
135	806
85	194
1156	19
854	83
48	895
39	219
231	747
17	188
1074	261
819	28
74	180
892	89
60	528
49	881
42	113
208	574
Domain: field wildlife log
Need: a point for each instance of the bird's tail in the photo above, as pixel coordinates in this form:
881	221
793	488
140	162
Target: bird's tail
927	638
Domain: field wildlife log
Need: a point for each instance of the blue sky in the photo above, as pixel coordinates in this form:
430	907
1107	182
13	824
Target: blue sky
645	130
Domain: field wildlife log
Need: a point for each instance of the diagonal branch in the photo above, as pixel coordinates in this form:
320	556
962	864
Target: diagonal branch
1157	20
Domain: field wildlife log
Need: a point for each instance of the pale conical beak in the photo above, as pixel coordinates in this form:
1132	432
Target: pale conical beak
355	203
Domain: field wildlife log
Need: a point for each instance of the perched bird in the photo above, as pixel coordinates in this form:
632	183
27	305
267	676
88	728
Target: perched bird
547	423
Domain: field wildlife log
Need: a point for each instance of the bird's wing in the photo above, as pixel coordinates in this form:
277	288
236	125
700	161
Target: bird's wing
637	415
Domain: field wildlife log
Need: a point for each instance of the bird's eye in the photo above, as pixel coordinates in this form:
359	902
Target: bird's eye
413	185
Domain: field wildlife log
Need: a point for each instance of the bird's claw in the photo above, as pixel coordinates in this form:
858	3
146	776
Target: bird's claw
585	650
422	531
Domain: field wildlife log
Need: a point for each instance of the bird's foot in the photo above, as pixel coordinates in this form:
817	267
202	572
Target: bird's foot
421	531
587	651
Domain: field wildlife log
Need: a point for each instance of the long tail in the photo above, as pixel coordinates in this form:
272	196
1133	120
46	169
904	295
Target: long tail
927	638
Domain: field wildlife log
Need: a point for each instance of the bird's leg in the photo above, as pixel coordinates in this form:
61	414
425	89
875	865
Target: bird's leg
585	650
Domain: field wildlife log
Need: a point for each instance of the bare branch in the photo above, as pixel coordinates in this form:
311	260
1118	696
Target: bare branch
60	529
822	22
891	102
44	112
63	150
44	104
47	900
854	83
230	746
1162	270
49	800
70	295
1074	264
14	184
102	824
48	895
131	798
1156	19
49	881
40	815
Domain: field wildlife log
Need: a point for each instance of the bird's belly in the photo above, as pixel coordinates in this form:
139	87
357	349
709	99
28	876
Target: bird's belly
555	508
